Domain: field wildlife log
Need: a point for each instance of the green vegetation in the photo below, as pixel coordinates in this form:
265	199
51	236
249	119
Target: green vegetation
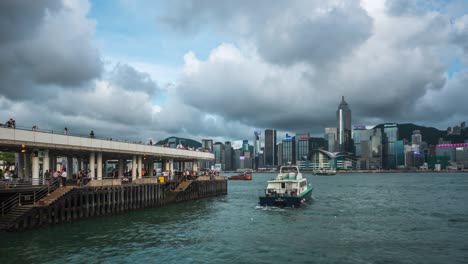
8	158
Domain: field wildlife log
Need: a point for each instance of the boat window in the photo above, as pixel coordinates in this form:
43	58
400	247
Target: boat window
283	185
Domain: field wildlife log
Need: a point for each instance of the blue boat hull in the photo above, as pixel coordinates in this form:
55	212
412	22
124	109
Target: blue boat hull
285	201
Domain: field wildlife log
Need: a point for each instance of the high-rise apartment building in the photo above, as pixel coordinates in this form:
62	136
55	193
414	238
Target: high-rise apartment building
271	157
343	117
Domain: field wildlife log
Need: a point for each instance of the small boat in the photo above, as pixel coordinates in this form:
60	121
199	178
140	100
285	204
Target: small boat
246	176
289	189
324	172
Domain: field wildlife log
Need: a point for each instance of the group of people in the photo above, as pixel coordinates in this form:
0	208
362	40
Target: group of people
83	177
7	177
10	123
57	176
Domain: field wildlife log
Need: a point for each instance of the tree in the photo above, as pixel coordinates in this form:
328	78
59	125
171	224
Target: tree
8	158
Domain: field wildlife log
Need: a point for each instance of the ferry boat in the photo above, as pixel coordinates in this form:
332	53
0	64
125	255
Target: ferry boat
289	189
324	172
246	176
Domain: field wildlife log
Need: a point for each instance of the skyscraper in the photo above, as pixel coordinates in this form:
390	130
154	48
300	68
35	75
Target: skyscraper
228	154
289	150
343	117
271	157
390	138
330	136
302	146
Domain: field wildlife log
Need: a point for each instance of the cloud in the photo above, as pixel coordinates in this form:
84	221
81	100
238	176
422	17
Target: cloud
52	48
283	32
128	78
279	64
387	76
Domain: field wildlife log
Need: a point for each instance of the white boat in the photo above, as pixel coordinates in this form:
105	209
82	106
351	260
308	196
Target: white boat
289	189
326	172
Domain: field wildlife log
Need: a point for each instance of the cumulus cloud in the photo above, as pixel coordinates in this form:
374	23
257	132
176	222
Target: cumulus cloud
53	47
284	32
393	64
284	65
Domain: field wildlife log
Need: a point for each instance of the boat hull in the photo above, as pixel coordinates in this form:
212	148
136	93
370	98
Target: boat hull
241	177
285	201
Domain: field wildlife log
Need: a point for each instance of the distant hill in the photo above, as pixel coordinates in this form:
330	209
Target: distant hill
430	135
173	141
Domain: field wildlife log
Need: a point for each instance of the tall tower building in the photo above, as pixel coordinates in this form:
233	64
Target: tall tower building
289	150
330	136
271	157
257	147
343	117
228	154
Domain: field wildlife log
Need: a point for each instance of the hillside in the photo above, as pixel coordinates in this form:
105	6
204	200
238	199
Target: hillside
430	135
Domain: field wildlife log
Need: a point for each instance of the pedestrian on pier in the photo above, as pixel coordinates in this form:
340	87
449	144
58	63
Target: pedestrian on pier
47	175
11	123
91	135
34	128
64	177
65	131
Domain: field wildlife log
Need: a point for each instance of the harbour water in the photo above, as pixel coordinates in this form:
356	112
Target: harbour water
354	218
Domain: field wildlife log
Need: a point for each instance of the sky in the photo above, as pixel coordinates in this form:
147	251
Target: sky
139	70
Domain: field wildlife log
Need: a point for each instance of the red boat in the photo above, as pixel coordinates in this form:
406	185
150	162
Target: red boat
246	176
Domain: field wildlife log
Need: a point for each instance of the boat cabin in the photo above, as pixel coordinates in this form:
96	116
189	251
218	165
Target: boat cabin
289	182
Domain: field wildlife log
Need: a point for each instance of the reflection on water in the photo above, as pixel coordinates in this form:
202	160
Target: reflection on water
354	218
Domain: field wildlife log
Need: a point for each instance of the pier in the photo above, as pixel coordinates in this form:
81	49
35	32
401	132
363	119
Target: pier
36	201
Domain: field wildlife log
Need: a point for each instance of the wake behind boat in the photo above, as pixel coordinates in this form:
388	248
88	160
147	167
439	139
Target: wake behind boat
289	189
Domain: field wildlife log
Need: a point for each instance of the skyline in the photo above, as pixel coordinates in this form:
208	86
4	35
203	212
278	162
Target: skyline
211	69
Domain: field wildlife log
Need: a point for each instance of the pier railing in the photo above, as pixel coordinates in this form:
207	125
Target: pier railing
29	197
23	183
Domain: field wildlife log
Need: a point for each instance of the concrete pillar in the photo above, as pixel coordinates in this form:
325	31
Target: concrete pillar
69	167
52	162
194	165
79	163
35	170
171	169
104	167
121	168
46	162
134	167
99	165
27	165
150	167
140	165
20	164
92	161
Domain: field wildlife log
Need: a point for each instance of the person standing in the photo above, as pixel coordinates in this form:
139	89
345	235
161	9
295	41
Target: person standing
91	135
47	176
64	177
65	131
